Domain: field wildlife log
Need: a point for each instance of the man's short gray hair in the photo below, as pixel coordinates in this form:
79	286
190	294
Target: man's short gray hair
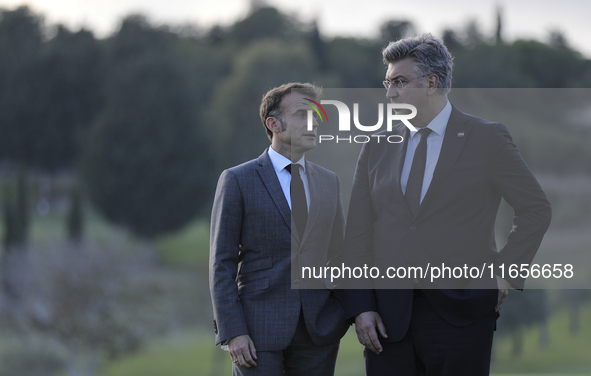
429	54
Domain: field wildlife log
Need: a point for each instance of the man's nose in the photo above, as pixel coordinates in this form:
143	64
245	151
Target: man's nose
314	122
391	92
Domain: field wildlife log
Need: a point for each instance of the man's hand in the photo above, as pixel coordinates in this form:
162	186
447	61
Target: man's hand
504	287
365	327
242	351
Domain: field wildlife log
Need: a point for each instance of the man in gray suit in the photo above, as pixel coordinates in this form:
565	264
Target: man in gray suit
270	216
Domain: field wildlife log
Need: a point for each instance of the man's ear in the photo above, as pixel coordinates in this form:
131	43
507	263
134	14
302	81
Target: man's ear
432	82
273	124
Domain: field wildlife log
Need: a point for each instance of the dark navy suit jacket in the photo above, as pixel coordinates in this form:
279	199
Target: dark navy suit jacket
478	165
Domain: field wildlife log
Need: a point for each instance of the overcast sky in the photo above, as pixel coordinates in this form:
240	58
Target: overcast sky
522	18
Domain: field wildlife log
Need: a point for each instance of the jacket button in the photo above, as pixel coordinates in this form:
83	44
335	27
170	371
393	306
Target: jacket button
413	228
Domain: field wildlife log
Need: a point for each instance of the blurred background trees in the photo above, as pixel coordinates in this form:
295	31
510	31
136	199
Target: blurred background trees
127	135
61	87
147	165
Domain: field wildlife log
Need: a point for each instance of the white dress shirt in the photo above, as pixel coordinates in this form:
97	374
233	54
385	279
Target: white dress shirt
279	163
434	142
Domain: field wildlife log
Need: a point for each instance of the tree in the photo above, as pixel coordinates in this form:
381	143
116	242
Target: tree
10	240
69	97
356	62
499	32
20	46
16	222
520	65
451	40
472	34
392	31
263	22
574	300
318	48
522	310
50	90
557	39
75	219
233	115
145	164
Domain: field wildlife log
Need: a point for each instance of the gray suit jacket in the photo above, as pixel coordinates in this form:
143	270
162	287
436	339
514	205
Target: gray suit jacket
255	258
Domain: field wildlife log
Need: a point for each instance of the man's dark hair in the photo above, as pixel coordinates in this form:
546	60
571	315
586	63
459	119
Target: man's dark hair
429	54
271	103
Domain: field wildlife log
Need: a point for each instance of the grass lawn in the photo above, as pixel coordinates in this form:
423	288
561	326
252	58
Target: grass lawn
564	353
184	354
189	246
192	354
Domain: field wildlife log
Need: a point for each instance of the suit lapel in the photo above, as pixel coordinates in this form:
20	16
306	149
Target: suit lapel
450	150
269	178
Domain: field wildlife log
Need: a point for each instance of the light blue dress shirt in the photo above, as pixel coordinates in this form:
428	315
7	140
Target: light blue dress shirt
279	163
434	142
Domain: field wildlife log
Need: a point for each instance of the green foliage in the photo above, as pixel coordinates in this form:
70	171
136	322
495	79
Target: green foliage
19	33
233	115
265	22
394	30
67	99
541	121
20	43
519	65
75	218
145	164
10	225
357	63
318	47
50	90
55	89
16	212
22	214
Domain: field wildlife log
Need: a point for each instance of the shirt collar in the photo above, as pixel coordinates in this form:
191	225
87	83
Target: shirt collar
280	162
439	123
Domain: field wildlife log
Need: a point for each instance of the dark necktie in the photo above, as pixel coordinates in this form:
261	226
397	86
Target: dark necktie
299	206
414	185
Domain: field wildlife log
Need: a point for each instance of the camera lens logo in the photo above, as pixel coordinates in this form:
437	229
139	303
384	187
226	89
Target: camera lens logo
316	109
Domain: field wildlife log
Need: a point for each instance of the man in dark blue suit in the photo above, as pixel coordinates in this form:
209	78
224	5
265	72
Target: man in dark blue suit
435	199
271	216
